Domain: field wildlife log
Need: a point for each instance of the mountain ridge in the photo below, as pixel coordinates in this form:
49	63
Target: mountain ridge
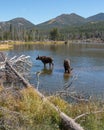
60	21
18	22
70	20
96	17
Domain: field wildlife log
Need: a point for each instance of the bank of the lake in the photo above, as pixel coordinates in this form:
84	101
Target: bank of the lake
7	45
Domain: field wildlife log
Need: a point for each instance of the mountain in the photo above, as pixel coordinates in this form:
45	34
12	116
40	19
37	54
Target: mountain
16	23
69	26
63	20
21	22
96	18
73	19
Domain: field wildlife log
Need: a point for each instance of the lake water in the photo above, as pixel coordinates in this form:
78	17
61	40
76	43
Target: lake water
87	61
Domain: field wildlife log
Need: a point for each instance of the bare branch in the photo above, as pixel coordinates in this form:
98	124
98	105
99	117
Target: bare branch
88	113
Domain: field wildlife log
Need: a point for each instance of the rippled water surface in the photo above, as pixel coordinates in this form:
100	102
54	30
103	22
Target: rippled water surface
87	62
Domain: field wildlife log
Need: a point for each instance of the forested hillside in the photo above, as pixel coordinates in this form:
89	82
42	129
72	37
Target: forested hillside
63	27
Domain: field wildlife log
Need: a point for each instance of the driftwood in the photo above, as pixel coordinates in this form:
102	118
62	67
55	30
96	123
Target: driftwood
26	84
70	93
67	122
88	113
22	64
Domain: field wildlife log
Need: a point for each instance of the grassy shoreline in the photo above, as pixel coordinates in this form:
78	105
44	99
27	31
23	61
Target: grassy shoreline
7	45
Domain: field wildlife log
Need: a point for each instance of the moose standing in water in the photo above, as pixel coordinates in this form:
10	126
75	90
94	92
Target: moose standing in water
67	66
46	60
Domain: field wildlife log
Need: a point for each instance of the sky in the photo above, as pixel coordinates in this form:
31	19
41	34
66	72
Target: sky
39	11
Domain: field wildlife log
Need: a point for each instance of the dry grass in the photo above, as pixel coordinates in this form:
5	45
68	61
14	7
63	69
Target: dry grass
92	111
9	45
5	46
25	110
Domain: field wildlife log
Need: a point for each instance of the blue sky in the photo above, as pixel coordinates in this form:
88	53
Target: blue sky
38	11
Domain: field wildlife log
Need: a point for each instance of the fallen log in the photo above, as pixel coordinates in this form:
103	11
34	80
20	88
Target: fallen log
67	122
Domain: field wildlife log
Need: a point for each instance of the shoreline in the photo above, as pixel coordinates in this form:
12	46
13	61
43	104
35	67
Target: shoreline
8	45
5	47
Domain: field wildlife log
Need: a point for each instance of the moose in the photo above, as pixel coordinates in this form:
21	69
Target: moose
67	66
46	60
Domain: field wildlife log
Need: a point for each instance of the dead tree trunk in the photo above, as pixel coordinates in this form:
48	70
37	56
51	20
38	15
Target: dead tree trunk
22	79
69	123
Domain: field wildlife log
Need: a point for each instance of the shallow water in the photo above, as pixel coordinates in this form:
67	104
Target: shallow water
87	62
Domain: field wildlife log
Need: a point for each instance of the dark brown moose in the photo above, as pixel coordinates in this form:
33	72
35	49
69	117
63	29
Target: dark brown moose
67	66
46	60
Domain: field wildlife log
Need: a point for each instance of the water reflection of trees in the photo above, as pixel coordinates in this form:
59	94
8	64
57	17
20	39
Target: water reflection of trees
24	47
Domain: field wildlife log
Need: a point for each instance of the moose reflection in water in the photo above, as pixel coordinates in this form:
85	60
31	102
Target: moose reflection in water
46	70
46	60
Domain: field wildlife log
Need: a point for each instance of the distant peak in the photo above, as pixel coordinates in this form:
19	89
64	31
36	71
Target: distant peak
73	14
19	18
97	17
100	13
